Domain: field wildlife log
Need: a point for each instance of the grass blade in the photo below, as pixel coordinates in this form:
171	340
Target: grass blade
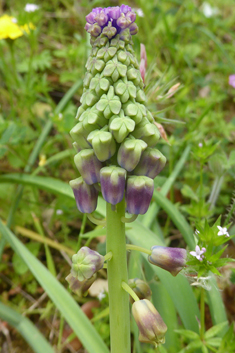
25	327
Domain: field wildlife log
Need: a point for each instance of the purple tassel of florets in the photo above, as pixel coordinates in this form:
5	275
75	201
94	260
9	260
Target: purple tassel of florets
119	17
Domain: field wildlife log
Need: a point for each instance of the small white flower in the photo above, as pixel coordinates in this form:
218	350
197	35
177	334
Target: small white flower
202	282
209	11
59	212
14	20
200	144
101	295
198	252
223	231
60	116
197	232
31	7
139	12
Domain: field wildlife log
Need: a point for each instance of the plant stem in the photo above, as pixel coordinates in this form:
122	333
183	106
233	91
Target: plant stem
130	291
138	248
202	312
117	273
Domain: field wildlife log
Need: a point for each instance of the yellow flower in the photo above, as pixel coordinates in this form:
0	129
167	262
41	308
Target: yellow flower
10	29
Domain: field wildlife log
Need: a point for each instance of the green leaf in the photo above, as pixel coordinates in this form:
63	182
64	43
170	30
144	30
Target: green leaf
214	342
213	331
188	334
25	327
58	294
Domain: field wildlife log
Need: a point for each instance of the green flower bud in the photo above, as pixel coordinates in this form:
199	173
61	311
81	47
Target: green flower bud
135	111
125	89
109	31
79	135
151	163
103	144
86	263
141	289
109	104
106	53
148	133
130	152
114	69
139	192
99	84
151	326
88	166
121	126
80	287
112	180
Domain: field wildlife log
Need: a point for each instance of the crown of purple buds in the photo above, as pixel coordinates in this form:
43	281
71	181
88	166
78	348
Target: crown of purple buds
116	19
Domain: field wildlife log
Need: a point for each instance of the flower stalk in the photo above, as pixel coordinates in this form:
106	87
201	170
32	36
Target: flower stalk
117	273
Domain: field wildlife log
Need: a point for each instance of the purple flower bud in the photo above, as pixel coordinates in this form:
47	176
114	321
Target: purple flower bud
88	166
123	22
101	18
113	12
125	8
130	152
131	16
94	30
112	180
151	163
170	259
151	326
85	195
141	289
78	287
92	15
86	263
142	69
133	29
139	192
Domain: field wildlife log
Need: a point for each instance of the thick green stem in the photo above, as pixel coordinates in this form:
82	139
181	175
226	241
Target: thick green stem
117	273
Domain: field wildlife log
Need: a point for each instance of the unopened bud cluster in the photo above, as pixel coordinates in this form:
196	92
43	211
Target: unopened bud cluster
115	135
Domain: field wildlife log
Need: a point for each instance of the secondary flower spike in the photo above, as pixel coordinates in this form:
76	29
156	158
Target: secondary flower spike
113	126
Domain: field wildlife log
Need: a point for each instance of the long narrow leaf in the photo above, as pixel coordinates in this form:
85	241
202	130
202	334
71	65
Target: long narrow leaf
58	294
25	327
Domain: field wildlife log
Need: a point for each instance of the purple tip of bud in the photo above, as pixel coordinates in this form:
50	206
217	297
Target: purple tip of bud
131	16
151	326
88	166
139	192
142	69
170	259
112	180
85	195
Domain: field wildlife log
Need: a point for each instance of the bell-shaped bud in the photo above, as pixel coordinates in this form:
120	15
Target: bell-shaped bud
94	30
152	328
113	12
101	18
80	287
103	143
123	21
151	163
130	152
88	166
112	180
170	259
79	135
85	195
133	29
147	132
121	126
86	263
141	289
139	192
109	31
